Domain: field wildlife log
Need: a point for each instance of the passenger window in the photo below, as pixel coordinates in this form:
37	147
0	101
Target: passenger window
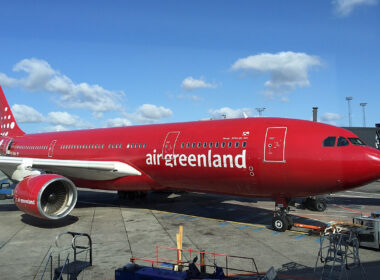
144	145
223	144
329	141
139	146
127	146
236	144
205	145
199	144
187	145
229	144
182	145
342	141
216	144
244	144
193	146
136	145
210	145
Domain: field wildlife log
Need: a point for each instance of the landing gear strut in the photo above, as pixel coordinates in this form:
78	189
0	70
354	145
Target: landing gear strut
281	219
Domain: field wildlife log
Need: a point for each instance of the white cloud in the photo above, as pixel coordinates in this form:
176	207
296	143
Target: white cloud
7	81
331	118
191	84
287	70
149	113
229	113
41	76
26	114
346	7
58	127
65	119
117	122
62	118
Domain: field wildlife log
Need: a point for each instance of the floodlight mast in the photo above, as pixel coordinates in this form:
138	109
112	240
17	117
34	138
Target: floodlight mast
260	110
363	105
349	98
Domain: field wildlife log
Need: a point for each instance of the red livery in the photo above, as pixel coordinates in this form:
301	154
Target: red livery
254	157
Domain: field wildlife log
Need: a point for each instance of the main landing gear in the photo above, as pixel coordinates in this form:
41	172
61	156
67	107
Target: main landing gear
281	219
132	195
316	203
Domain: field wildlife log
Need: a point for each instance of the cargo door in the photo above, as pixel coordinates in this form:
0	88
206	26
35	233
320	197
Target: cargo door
169	143
274	146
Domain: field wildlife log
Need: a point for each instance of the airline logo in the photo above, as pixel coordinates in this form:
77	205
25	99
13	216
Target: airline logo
26	201
198	160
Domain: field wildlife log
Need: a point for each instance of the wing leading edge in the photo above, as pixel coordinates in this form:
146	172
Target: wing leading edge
18	168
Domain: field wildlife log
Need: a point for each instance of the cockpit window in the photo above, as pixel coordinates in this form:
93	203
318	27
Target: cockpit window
342	141
329	141
356	141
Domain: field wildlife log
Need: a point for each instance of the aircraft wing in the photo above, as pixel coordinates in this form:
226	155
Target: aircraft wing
17	168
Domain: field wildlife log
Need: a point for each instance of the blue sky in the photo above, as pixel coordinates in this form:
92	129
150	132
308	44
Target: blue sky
84	64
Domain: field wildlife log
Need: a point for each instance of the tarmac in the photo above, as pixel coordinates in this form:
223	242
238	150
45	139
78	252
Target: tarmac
224	224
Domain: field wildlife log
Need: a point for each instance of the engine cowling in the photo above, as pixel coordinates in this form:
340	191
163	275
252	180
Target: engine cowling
46	196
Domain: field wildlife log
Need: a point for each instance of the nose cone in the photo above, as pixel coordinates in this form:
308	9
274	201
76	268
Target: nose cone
374	157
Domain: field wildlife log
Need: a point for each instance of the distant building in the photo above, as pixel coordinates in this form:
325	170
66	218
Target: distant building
370	135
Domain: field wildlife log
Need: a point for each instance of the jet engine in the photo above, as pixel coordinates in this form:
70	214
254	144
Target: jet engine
46	196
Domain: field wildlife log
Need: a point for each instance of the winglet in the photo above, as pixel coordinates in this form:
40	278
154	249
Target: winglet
8	125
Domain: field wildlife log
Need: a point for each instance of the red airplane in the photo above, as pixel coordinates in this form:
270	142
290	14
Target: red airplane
252	157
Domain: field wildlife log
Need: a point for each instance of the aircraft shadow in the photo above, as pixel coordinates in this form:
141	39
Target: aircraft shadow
218	207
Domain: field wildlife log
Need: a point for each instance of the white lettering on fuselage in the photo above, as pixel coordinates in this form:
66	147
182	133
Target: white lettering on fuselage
198	160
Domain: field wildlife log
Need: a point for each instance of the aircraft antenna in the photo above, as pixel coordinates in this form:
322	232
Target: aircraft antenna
260	110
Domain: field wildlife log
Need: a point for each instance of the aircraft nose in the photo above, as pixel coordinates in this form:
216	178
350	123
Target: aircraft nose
374	157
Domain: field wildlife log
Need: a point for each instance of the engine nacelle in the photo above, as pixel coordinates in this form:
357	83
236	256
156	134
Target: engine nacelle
46	196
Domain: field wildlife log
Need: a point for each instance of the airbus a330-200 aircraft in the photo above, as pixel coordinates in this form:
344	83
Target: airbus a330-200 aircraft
252	157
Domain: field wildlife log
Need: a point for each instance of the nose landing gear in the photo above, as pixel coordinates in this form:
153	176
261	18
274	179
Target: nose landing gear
281	219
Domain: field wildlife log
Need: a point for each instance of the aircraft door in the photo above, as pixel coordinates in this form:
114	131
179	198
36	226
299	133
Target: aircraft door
51	148
169	143
274	146
5	145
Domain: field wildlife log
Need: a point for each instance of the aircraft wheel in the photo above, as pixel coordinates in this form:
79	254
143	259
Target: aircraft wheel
320	205
280	223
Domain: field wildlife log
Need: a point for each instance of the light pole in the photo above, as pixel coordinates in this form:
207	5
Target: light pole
349	98
260	110
363	105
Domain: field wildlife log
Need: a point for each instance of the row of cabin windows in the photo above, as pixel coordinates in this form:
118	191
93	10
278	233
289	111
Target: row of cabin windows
211	144
101	146
342	141
77	147
31	147
128	146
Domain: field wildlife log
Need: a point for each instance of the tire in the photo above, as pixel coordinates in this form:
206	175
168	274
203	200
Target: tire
280	223
320	205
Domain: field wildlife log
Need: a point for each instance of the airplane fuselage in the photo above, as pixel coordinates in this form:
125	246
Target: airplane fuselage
256	157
